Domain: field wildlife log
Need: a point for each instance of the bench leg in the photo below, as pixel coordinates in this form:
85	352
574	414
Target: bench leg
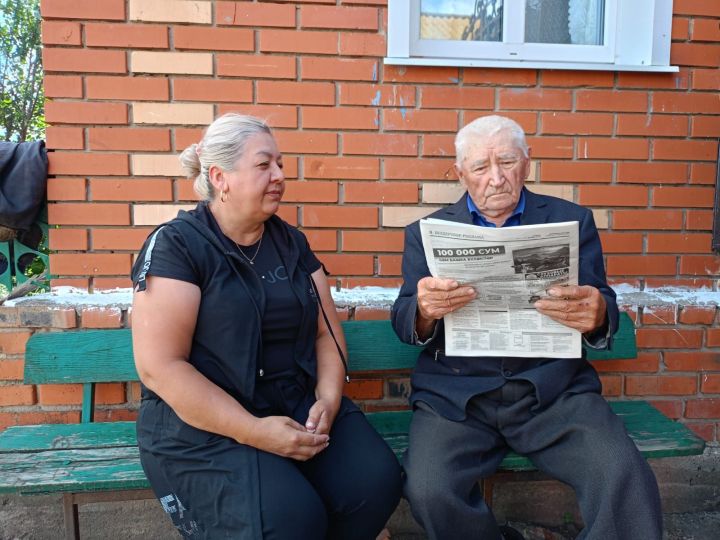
70	510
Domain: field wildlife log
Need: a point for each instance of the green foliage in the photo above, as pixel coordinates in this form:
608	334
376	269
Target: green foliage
21	75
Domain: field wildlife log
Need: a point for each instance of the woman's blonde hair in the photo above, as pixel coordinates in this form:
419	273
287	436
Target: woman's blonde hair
222	144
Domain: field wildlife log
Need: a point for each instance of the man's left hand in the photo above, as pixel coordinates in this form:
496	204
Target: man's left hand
580	307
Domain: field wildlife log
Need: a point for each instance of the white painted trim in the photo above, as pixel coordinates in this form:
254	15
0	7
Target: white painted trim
466	62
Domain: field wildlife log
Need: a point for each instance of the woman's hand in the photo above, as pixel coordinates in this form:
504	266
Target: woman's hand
283	436
321	416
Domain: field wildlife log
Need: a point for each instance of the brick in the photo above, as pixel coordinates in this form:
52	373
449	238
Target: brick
690	103
672	243
438	145
68	239
39	316
705	30
295	93
345	217
59	394
184	137
362	44
669	338
611	385
17	394
170	11
705	430
84	60
82	284
618	149
254	15
173	113
703	173
100	283
710	384
638	265
311	191
66	189
346	18
211	91
672	409
621	242
500	77
420	74
699	220
659	315
129	139
535	99
213	39
345	69
364	389
132	36
652	173
276	116
293	41
706	79
683	197
381	192
700	265
9	317
66	112
682	283
119	239
184	190
695	7
417	169
307	142
376	95
128	88
88	214
64	138
45	417
60	33
702	408
698	315
551	147
612	195
256	66
680	28
611	100
695	54
155	214
647	219
14	341
389	265
321	240
573	171
90	264
568	78
372	241
656	125
692	361
365	313
83	9
666	385
289	213
705	126
147	189
554	190
576	123
419	120
401	216
526	120
11	370
358	168
340	118
347	265
107	317
646	362
171	62
62	86
438	97
74	163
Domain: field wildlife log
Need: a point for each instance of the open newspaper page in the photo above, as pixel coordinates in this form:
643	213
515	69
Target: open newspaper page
510	268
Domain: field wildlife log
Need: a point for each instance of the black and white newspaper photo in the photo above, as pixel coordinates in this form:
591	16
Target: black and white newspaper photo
510	268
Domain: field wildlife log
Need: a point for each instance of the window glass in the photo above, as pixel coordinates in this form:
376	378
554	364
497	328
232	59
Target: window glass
461	20
570	22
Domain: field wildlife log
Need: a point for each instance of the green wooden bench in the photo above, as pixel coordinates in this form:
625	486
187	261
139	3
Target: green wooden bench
94	462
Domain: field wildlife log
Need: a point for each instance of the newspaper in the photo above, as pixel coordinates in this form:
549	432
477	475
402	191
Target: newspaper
510	269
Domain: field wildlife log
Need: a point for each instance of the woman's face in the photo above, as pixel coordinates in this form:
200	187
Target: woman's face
257	183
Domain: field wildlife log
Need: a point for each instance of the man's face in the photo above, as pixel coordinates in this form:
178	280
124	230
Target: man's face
493	171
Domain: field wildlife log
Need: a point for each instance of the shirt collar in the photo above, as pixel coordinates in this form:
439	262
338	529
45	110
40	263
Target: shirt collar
514	219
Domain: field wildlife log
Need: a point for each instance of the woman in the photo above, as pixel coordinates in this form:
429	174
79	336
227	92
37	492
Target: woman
243	430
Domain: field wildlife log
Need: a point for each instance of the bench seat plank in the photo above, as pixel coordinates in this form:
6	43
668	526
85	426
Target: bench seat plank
67	436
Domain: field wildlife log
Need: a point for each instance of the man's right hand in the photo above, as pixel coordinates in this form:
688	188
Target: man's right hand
436	297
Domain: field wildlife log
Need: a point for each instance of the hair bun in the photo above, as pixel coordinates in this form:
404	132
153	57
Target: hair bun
190	161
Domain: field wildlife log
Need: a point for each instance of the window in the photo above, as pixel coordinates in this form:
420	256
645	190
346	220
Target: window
561	34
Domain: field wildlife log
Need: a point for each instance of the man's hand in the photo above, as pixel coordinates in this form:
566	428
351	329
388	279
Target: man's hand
579	307
436	297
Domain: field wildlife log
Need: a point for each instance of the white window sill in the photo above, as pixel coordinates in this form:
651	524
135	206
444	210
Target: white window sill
465	62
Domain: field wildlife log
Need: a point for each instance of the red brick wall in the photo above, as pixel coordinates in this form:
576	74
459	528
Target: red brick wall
368	148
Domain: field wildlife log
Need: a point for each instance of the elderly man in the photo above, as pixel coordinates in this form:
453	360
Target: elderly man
470	411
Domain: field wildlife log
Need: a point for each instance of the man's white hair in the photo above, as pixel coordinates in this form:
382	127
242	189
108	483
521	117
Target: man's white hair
485	127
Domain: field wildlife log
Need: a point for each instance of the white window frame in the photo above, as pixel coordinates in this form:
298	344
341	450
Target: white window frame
636	38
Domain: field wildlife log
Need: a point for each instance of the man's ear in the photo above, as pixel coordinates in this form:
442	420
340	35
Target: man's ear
458	173
526	172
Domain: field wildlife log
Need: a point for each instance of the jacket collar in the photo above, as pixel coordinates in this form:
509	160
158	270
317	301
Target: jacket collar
536	210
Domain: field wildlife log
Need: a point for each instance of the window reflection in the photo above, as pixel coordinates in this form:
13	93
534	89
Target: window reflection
461	20
571	22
